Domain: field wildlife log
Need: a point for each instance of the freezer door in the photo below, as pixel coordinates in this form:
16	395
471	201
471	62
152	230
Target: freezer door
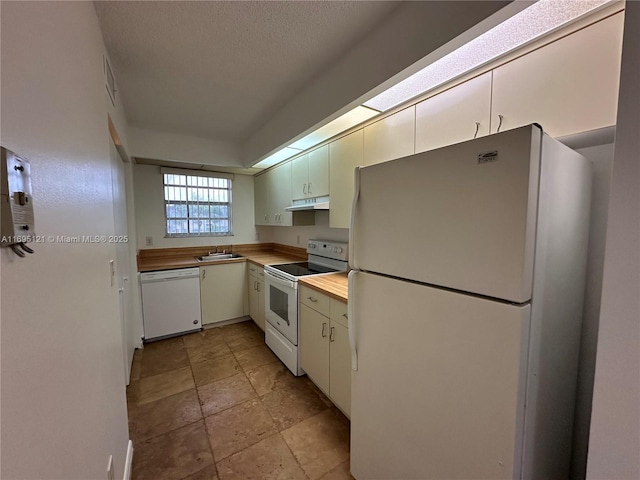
439	387
462	216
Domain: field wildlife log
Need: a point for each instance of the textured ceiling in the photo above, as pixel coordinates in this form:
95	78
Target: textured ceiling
222	69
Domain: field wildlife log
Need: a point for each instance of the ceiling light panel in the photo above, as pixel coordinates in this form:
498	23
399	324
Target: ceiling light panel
279	156
540	18
340	124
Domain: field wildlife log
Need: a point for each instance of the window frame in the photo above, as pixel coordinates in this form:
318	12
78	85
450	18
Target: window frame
199	180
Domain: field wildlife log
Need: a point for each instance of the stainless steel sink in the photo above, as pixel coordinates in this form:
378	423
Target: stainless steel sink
214	257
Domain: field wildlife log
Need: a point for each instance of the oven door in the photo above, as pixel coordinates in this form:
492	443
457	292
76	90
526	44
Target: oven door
281	304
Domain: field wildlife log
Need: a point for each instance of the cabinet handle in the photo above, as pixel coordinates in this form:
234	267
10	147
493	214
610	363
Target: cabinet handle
312	299
477	129
304	189
345	316
331	330
500	123
254	285
258	286
309	188
265	217
204	274
324	330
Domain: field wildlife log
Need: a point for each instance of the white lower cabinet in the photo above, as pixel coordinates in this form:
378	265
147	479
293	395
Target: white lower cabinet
256	293
324	346
223	292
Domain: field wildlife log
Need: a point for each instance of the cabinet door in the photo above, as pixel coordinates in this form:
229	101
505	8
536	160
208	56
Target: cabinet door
568	86
223	292
260	315
314	346
254	301
345	154
390	138
280	192
261	199
318	185
299	177
340	366
451	116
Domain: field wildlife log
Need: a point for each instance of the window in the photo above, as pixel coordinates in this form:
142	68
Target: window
197	205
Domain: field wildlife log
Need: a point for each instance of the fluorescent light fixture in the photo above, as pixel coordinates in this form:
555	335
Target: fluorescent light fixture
540	18
277	157
340	124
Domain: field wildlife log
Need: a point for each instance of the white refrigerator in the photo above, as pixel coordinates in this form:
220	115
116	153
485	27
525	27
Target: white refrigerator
465	306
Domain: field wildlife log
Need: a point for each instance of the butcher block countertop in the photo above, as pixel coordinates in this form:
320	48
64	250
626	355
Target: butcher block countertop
260	253
331	284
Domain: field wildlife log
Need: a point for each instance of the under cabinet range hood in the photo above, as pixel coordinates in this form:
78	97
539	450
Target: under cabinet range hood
318	203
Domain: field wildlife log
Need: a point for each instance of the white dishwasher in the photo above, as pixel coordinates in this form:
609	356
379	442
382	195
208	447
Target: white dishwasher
170	302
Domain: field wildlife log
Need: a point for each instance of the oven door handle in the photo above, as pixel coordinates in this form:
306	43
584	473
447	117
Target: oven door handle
277	280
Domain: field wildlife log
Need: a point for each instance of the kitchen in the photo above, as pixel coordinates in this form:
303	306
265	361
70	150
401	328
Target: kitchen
101	217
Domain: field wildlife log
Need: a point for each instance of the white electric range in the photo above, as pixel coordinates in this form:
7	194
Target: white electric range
282	329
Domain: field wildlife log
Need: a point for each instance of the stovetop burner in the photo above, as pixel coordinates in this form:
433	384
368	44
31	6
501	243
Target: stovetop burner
301	269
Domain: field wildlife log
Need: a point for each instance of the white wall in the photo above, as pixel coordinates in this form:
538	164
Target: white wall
63	396
150	219
298	236
413	36
182	148
614	449
602	159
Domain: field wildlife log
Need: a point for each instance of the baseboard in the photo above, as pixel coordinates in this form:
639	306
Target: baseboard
128	462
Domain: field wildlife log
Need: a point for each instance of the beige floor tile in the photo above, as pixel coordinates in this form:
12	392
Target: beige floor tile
207	473
341	472
320	443
238	427
210	335
319	392
242	341
270	377
240	327
216	368
163	356
269	459
209	350
167	414
225	393
163	385
136	364
255	356
132	408
174	455
292	404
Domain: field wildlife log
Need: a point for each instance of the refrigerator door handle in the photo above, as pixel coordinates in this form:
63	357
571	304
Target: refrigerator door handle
352	230
351	321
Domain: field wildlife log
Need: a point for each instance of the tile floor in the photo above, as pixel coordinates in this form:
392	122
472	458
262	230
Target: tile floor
219	405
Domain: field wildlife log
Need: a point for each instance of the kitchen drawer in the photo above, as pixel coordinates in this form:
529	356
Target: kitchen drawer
338	312
253	269
315	300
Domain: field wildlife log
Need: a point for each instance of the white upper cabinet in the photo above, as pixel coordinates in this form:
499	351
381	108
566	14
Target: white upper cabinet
569	86
345	154
455	115
391	137
318	172
261	199
310	174
299	176
280	194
